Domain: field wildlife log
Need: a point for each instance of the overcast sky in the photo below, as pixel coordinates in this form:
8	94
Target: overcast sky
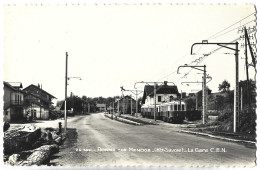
117	45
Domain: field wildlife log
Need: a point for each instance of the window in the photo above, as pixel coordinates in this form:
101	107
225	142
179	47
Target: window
171	98
182	107
159	98
175	107
6	112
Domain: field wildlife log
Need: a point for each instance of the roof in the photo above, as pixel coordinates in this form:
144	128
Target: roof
16	84
40	90
10	85
127	96
164	89
39	97
100	105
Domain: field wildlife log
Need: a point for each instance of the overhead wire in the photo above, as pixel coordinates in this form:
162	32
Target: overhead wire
211	37
232	25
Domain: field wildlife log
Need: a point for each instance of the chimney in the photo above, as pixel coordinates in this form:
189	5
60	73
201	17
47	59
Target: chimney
165	83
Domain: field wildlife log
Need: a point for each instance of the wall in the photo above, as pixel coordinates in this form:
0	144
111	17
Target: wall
41	113
150	100
7	96
7	117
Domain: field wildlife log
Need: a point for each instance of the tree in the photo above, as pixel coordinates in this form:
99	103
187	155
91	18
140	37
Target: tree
190	103
200	96
219	102
248	93
224	86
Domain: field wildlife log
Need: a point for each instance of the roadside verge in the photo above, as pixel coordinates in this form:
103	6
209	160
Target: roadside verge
120	119
217	137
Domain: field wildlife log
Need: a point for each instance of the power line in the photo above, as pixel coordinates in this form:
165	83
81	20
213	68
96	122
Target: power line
211	37
231	25
233	29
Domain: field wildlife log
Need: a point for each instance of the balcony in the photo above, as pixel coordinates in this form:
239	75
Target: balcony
16	102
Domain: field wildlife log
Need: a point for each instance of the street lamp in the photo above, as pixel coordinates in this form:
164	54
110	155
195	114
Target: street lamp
66	84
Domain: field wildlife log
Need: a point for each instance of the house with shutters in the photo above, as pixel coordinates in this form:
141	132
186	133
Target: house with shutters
13	102
164	93
38	102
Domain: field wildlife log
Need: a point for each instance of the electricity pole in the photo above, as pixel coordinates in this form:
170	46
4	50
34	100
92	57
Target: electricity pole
65	101
155	84
131	103
236	91
136	93
204	96
66	84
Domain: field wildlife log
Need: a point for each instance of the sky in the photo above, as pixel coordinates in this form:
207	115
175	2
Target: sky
118	45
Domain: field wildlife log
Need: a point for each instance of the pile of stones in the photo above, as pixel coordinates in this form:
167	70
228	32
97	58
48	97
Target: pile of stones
30	145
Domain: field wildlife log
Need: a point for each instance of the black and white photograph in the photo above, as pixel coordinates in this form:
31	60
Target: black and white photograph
129	84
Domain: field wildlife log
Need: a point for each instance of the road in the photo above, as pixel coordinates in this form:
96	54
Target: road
95	140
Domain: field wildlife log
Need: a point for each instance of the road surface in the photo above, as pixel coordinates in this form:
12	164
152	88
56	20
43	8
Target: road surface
97	140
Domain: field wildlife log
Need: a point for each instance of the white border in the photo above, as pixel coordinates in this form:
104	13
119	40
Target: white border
5	2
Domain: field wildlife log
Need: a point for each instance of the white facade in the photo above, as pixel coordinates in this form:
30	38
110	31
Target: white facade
160	98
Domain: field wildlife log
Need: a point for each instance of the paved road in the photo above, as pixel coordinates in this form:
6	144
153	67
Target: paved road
88	133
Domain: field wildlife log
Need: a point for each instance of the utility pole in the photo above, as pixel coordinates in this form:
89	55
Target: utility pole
118	105
236	90
131	103
113	109
204	96
88	108
247	75
196	101
136	93
241	98
136	104
154	98
65	101
123	105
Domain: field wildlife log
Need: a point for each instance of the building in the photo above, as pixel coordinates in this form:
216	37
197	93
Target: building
164	93
37	102
13	102
101	107
125	105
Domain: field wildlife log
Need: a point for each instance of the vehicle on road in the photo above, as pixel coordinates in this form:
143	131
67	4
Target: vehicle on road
172	112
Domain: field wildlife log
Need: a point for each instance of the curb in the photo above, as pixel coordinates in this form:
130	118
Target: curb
217	137
123	120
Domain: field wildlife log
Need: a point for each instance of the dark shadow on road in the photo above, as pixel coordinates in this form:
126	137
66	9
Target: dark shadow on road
68	146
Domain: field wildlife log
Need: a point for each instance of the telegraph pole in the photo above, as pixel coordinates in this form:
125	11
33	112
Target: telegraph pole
113	109
136	104
204	96
205	110
136	93
118	105
131	103
65	101
236	90
154	98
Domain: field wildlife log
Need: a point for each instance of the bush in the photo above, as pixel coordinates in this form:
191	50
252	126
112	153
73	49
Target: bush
226	115
247	121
